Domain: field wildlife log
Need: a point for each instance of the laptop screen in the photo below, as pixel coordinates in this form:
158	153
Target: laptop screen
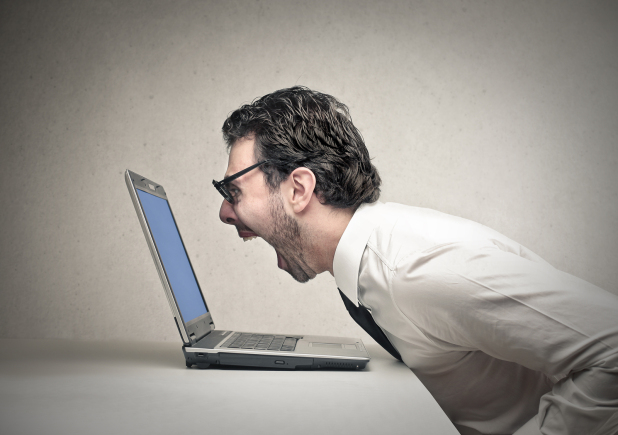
173	256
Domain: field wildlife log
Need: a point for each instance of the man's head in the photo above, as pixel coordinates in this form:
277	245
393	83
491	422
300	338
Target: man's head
317	172
298	127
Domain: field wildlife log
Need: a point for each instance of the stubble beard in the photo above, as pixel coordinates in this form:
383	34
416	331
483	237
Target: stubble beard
287	238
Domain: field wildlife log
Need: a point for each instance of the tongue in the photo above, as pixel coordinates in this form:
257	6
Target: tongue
280	262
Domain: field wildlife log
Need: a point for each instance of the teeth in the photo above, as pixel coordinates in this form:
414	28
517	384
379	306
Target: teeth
246	239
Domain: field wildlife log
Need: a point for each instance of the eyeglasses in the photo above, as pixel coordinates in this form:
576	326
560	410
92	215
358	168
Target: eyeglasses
221	186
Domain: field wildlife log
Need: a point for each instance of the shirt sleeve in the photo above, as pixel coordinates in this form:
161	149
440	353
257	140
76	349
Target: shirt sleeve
476	296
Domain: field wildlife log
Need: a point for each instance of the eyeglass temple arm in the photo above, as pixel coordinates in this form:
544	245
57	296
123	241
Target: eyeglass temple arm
238	174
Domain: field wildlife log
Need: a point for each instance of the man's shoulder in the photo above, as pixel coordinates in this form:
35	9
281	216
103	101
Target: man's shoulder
401	230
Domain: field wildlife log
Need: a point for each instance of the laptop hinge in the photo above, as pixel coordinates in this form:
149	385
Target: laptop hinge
194	339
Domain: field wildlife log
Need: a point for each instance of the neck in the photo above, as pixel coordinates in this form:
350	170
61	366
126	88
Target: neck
325	226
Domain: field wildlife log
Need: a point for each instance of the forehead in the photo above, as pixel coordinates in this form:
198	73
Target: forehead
241	156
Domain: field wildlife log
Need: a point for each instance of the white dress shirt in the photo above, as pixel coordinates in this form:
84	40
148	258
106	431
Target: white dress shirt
505	342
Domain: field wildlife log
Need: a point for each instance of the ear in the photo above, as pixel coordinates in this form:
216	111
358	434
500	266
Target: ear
301	184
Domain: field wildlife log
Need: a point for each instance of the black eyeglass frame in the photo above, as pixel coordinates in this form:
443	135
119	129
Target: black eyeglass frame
221	185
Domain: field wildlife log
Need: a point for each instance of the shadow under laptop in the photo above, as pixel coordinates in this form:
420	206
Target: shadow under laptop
270	369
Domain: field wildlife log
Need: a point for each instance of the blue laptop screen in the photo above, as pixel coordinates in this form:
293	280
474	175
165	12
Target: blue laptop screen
173	255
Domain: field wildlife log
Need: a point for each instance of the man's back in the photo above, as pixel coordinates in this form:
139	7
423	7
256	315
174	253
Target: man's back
486	324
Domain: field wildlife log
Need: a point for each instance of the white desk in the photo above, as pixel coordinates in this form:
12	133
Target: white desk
71	387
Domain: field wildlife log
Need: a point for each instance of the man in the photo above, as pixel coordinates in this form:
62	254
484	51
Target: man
503	341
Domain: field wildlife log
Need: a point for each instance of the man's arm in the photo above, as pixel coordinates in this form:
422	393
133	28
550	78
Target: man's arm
517	310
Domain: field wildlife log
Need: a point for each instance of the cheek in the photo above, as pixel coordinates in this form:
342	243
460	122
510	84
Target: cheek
253	209
250	215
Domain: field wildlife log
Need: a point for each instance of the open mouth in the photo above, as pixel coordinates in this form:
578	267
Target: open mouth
250	235
247	235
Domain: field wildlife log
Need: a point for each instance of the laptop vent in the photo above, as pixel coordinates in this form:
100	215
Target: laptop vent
338	365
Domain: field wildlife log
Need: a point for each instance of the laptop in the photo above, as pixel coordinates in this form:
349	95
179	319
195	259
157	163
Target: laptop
203	345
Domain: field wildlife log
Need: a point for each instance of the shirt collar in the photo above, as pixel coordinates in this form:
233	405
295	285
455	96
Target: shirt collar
351	246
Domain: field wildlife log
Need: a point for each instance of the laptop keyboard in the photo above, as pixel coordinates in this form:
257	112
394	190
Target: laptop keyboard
240	340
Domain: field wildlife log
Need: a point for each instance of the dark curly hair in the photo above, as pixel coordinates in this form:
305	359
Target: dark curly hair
299	127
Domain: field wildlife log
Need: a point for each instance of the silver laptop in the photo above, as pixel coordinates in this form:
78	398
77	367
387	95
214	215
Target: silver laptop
203	344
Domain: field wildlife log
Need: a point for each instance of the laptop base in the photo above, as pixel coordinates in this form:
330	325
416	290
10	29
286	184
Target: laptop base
285	362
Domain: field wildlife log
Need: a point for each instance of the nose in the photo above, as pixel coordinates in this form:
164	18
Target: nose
226	213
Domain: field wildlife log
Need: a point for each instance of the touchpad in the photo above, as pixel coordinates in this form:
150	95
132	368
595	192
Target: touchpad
326	345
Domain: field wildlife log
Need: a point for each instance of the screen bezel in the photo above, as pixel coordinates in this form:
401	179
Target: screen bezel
193	330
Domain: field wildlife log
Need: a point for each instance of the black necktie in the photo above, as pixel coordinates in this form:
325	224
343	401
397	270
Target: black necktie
362	316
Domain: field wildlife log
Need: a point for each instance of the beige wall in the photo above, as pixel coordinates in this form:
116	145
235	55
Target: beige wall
501	112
